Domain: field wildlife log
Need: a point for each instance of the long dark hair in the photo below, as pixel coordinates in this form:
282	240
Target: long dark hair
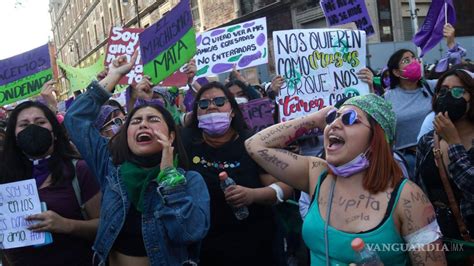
248	91
466	79
393	65
15	165
118	145
238	121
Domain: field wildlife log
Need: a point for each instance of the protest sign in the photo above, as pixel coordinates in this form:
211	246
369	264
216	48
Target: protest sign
17	201
169	43
78	77
23	75
344	11
258	113
124	41
243	45
319	67
177	79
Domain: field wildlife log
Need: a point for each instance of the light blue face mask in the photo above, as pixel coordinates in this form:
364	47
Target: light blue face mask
356	165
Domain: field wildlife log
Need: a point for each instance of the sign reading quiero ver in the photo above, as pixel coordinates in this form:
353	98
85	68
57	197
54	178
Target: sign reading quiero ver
169	43
243	45
23	75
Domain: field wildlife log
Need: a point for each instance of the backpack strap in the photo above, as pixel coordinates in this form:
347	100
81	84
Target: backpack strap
426	87
77	191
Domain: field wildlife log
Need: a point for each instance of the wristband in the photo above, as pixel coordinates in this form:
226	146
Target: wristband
170	177
278	191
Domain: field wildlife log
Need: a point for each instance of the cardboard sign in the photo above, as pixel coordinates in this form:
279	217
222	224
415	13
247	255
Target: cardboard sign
339	12
17	201
22	76
124	41
258	113
243	45
319	67
169	43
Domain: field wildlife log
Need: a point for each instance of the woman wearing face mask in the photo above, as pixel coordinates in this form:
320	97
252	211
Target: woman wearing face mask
411	98
215	143
241	92
36	147
109	121
153	213
358	191
454	124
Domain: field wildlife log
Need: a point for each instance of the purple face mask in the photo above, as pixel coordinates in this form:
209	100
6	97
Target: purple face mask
214	124
355	166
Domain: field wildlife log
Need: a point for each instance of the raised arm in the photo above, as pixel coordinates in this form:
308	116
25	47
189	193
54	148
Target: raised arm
266	146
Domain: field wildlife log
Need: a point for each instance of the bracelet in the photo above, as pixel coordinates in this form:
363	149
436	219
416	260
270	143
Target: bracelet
278	191
170	176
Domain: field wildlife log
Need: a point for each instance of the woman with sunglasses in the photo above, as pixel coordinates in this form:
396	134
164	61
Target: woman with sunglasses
454	126
410	97
358	191
152	212
109	121
215	143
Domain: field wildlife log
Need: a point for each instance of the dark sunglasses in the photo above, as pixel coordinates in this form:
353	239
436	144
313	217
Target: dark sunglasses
116	121
456	92
218	101
348	117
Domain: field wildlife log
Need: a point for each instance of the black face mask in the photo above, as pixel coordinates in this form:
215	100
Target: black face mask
456	108
34	140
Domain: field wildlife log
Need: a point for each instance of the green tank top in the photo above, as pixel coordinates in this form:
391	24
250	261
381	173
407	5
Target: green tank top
340	250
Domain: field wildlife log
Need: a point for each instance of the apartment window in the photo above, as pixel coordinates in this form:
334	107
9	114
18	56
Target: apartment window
195	14
103	26
111	16
95	34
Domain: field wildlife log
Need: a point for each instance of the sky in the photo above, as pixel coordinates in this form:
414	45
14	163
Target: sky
24	25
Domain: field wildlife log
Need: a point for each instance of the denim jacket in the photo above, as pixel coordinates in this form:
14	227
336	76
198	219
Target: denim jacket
174	220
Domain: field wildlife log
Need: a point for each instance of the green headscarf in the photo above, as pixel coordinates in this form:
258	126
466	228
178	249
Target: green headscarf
379	109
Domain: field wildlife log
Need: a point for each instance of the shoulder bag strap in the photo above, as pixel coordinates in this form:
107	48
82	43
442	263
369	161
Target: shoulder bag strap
443	173
77	191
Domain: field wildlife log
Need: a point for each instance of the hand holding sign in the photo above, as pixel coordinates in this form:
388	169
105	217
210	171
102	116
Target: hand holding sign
143	90
117	70
49	222
277	83
190	70
47	94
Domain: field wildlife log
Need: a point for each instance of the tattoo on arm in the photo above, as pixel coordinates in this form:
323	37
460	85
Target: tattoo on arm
272	159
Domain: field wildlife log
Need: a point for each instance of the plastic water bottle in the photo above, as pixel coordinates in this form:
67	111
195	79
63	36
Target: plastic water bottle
241	212
365	256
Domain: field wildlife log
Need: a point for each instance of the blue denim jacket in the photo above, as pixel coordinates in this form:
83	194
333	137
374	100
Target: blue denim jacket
174	221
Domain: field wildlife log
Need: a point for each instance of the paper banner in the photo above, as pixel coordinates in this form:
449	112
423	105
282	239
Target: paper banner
169	43
22	76
320	68
339	12
124	41
258	113
243	45
17	201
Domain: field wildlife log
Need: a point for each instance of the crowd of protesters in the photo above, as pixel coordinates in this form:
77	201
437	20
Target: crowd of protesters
147	172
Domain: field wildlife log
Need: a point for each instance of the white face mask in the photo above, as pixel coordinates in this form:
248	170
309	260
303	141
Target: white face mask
241	100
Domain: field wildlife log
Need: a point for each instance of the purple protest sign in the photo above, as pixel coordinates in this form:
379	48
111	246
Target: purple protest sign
165	32
25	64
339	12
258	114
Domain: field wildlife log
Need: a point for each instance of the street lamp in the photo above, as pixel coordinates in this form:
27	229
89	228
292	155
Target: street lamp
73	44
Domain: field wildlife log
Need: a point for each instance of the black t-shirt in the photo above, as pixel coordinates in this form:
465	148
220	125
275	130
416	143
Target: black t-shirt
230	241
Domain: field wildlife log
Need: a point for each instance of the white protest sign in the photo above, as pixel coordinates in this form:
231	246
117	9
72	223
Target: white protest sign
243	45
18	200
320	68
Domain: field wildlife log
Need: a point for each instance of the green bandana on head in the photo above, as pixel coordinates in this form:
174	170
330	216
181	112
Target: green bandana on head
379	109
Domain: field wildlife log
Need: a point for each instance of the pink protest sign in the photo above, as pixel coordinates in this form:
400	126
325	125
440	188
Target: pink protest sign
124	41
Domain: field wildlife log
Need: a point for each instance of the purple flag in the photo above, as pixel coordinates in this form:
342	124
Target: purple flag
431	32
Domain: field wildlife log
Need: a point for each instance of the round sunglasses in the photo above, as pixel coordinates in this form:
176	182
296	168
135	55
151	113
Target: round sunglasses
116	121
218	101
456	92
348	117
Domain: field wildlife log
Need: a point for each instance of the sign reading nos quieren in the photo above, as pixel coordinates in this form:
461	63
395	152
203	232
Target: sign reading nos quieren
319	67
